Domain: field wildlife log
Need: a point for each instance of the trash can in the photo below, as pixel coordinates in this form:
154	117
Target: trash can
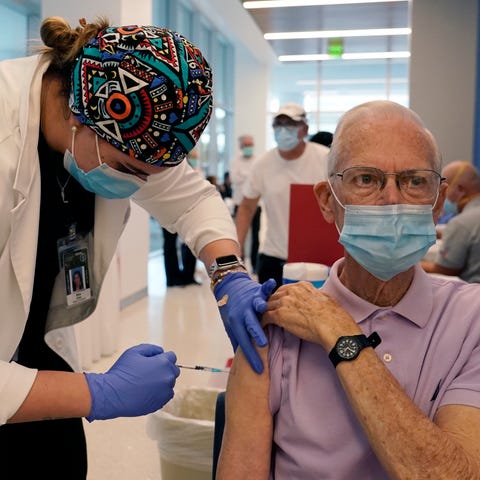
184	429
316	273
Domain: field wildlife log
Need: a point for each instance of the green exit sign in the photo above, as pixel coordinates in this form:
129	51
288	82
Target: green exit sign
335	47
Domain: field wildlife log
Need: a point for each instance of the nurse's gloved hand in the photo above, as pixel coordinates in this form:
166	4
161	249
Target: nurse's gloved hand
141	381
240	299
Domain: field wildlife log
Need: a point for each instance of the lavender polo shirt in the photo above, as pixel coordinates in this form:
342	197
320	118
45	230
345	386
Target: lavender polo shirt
430	343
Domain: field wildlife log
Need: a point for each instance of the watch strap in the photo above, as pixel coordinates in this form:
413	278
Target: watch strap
227	262
363	342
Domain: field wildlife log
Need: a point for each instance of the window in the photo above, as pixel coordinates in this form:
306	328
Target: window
327	89
217	143
20	27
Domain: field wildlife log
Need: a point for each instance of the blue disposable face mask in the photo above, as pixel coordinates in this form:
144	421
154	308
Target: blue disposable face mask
449	208
387	239
247	151
102	180
286	137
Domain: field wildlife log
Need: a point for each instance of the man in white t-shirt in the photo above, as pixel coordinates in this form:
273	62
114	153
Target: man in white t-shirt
293	161
239	172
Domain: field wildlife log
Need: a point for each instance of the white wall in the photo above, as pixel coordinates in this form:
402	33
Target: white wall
443	70
252	85
133	250
121	12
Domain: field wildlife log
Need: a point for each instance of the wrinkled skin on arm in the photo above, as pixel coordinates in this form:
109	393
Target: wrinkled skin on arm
247	438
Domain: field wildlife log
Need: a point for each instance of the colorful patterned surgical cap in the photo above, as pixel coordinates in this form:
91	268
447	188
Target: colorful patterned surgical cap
146	90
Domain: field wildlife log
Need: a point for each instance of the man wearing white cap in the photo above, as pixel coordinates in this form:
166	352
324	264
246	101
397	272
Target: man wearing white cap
293	161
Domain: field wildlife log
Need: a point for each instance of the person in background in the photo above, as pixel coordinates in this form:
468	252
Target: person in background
179	261
214	181
459	251
103	115
376	374
293	161
323	138
239	170
227	186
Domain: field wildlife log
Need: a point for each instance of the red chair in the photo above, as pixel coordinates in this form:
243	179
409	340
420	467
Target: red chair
310	237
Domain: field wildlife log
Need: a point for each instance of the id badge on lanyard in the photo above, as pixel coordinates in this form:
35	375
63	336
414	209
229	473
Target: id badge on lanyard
73	258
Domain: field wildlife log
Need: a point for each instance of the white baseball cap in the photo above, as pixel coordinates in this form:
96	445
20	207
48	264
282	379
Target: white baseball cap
294	111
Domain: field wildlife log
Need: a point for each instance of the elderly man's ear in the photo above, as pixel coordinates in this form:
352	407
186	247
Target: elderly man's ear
324	198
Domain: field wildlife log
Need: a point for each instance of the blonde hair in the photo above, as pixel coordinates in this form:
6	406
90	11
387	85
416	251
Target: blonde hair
62	43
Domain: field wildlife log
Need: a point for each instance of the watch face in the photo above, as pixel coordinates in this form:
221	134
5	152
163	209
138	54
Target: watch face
227	259
348	348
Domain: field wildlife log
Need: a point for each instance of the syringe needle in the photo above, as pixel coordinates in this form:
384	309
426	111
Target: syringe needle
203	368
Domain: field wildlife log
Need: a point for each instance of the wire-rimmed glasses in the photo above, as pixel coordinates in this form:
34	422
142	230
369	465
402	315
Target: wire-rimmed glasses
415	185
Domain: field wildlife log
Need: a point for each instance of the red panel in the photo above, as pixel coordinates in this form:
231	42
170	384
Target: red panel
310	237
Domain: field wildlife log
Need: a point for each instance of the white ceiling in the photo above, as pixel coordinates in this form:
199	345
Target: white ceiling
340	17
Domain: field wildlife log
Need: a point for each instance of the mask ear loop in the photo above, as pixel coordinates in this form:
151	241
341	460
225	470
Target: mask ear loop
438	192
98	151
74	131
337	200
334	194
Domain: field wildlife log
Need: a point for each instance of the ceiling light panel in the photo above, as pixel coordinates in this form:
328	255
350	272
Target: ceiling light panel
373	32
309	3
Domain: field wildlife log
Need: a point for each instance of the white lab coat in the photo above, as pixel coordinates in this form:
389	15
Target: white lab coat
179	198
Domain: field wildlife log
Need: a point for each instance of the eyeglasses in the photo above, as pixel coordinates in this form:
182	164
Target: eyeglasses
415	185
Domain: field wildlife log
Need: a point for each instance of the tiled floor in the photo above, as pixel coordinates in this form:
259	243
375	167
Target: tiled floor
185	320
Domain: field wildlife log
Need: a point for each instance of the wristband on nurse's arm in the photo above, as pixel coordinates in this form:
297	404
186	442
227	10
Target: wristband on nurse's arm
219	276
227	262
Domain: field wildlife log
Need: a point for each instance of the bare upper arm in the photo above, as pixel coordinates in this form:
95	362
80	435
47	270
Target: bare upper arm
250	204
432	267
247	437
462	424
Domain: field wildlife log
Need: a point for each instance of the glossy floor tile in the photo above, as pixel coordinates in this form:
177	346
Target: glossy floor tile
182	319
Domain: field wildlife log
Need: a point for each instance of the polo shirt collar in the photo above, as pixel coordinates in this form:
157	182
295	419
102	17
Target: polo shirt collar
416	305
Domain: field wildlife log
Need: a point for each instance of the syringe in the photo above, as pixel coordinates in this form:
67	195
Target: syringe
205	369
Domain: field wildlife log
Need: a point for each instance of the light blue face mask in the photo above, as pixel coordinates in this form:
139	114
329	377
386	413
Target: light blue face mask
102	180
247	151
387	239
286	137
449	208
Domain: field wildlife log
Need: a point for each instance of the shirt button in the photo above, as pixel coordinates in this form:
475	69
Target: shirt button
59	344
387	357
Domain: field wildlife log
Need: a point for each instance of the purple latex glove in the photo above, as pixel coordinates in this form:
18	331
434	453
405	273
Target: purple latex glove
141	381
239	300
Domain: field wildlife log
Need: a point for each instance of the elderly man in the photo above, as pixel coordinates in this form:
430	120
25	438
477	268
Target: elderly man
293	161
459	252
375	375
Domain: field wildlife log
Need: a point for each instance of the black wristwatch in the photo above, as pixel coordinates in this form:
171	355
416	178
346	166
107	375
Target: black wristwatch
225	263
349	347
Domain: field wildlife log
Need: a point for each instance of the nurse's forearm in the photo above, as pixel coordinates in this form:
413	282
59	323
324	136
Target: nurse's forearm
55	395
218	248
